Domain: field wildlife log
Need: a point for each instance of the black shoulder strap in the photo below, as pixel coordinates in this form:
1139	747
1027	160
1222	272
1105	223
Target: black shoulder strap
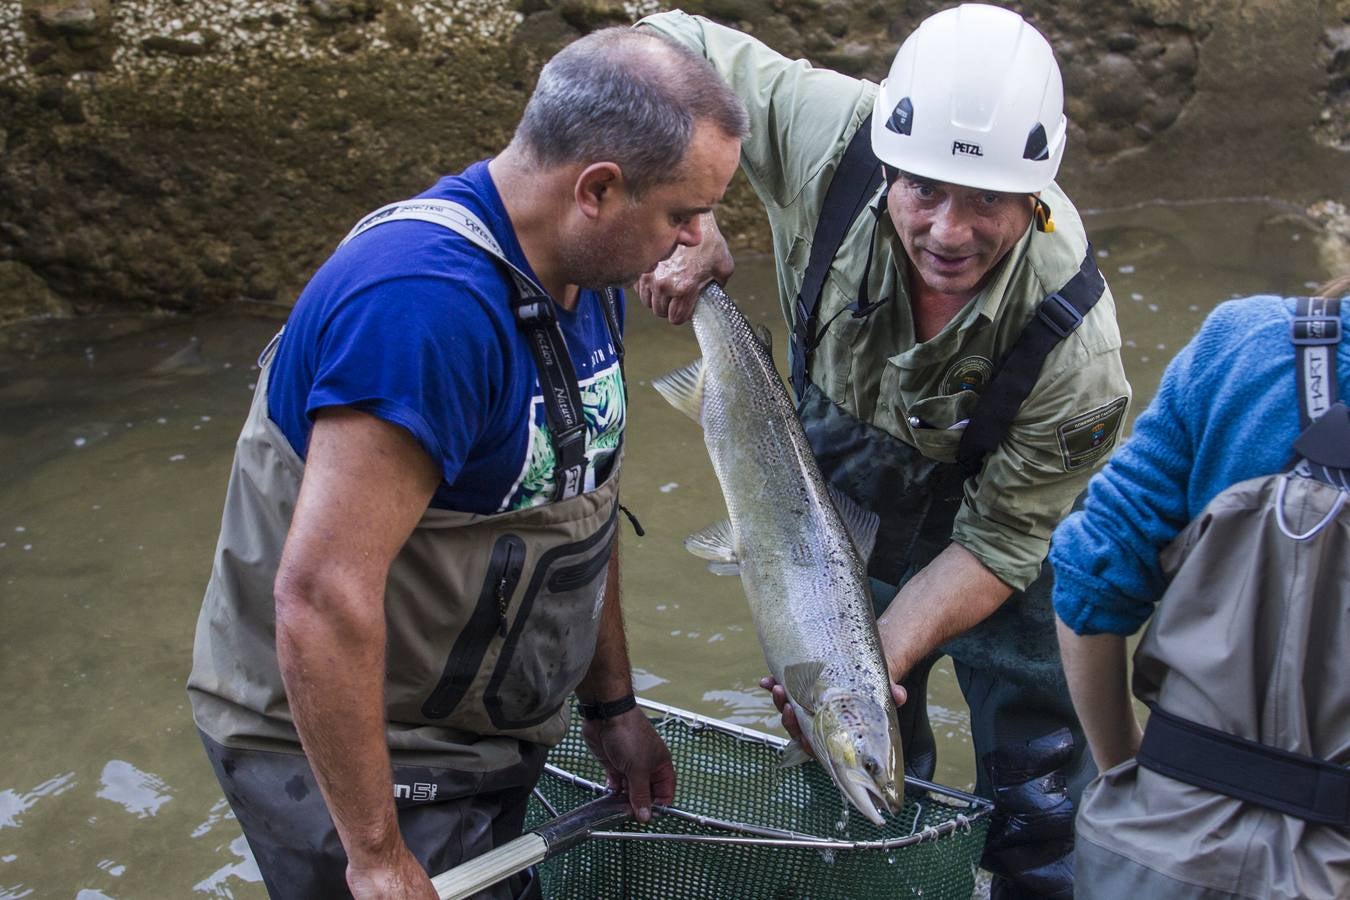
536	316
1055	318
609	302
1316	331
854	181
1322	450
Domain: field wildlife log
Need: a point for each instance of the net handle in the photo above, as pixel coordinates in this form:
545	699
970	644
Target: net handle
549	839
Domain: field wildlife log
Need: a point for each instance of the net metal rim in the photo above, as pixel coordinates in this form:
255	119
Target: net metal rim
744	834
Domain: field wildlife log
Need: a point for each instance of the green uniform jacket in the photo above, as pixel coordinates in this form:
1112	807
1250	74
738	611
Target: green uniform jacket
801	120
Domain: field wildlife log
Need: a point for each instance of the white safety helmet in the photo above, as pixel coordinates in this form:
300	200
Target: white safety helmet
974	98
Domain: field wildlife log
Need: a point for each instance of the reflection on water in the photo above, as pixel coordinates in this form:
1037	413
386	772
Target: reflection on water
135	791
116	437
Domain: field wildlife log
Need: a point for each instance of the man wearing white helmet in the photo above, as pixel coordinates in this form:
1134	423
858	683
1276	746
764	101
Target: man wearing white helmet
957	366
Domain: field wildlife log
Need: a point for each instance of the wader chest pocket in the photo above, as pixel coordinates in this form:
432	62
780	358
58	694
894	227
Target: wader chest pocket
487	621
573	577
552	640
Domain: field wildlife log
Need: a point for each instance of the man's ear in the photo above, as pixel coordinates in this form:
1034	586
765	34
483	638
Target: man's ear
599	184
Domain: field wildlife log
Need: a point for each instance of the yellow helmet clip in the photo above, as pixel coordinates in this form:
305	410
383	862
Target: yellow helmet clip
1045	220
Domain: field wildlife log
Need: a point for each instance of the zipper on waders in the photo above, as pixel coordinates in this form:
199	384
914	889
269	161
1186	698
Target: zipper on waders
486	621
501	593
573	577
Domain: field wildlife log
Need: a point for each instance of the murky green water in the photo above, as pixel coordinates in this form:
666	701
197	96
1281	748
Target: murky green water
116	437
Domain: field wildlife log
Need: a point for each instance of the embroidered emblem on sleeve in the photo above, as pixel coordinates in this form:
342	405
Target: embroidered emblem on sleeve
1088	437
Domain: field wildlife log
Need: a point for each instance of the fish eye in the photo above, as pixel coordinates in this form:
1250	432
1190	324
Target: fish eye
870	765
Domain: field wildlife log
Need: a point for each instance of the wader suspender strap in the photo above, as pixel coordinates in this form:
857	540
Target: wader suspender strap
1315	332
853	183
1291	783
1015	375
609	302
1322	450
536	315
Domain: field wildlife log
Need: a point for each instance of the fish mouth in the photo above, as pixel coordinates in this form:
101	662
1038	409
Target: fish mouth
863	793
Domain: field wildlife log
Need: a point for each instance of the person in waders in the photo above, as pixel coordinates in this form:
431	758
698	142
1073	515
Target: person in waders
956	362
417	562
1225	519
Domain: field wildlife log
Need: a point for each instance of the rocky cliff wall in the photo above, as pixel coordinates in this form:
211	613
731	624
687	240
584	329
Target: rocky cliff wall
181	154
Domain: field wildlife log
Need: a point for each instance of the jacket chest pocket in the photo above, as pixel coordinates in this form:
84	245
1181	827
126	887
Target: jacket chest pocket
550	644
937	424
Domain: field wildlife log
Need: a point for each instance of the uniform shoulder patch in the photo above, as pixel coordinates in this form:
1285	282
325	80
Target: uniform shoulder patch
1089	436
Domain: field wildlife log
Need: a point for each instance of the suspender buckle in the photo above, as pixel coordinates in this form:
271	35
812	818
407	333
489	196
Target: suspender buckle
1059	315
1309	331
803	319
800	344
797	363
569	446
534	310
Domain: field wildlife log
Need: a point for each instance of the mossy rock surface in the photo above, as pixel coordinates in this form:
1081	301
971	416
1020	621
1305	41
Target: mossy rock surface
157	154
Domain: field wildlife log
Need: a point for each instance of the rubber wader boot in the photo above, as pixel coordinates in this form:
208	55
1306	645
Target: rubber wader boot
1031	836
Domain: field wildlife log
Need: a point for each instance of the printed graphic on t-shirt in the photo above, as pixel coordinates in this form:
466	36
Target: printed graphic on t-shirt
602	404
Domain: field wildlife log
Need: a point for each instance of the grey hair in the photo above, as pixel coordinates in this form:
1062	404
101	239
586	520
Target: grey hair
628	97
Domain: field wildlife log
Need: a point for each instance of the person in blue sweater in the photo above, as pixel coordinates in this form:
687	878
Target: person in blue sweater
1227	411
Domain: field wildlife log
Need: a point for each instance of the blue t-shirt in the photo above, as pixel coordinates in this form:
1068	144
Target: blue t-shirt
413	323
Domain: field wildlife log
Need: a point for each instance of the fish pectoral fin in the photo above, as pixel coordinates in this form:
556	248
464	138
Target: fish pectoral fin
861	524
794	754
716	543
802	681
721	568
683	389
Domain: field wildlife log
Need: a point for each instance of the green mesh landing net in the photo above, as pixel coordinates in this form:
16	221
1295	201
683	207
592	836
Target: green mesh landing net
742	827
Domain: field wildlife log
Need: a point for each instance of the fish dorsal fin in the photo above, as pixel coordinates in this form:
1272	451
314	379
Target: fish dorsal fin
765	336
683	389
861	524
802	681
717	544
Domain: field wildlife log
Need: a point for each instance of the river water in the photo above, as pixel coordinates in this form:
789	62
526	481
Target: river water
116	436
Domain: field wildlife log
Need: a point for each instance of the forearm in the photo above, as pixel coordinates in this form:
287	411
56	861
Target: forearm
949	596
636	760
610	676
1095	668
331	656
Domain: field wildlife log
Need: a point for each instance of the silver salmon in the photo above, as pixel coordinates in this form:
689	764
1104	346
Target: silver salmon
800	555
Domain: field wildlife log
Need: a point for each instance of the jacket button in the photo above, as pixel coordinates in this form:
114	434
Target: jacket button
913	421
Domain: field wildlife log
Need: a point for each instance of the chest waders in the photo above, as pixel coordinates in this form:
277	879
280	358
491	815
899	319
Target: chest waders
491	622
1031	753
1241	787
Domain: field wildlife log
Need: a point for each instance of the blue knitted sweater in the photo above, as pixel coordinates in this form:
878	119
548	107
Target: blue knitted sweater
1226	411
